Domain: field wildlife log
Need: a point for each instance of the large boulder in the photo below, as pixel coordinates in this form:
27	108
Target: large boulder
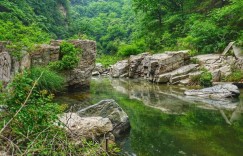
87	127
216	92
108	109
120	69
80	77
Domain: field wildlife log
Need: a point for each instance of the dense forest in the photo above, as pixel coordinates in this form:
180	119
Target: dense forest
126	27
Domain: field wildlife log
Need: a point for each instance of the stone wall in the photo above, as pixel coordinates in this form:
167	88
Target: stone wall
78	78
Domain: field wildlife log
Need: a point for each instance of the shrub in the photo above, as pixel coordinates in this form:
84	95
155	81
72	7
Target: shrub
19	89
49	80
69	57
127	50
134	48
107	60
206	78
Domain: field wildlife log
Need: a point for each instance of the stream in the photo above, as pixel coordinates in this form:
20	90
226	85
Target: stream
166	123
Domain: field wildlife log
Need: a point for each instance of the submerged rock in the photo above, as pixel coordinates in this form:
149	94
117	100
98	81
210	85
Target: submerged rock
87	127
216	92
108	109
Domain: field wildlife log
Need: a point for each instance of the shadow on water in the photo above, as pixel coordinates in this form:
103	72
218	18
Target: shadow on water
165	122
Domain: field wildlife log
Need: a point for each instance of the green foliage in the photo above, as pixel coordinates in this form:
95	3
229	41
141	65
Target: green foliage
69	57
49	80
38	113
206	37
132	49
202	26
21	36
107	60
235	76
1	86
127	50
206	78
52	16
110	23
34	118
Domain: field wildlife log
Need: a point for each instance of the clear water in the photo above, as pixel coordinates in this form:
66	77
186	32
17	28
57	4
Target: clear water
166	123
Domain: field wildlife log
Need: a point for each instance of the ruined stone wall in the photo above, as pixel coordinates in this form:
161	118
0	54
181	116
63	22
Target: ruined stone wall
78	78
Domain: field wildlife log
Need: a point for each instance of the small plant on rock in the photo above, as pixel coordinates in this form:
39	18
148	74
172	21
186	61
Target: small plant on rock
206	78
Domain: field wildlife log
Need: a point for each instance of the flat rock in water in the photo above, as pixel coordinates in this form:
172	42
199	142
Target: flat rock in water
216	92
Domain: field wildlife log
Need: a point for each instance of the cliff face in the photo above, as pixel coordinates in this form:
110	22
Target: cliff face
77	78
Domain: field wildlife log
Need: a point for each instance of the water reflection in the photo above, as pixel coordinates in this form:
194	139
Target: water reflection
170	99
165	122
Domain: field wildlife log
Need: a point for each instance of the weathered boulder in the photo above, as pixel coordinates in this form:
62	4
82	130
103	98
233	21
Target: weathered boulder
99	67
136	65
100	70
218	65
166	62
216	92
120	68
87	127
110	109
25	62
5	67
